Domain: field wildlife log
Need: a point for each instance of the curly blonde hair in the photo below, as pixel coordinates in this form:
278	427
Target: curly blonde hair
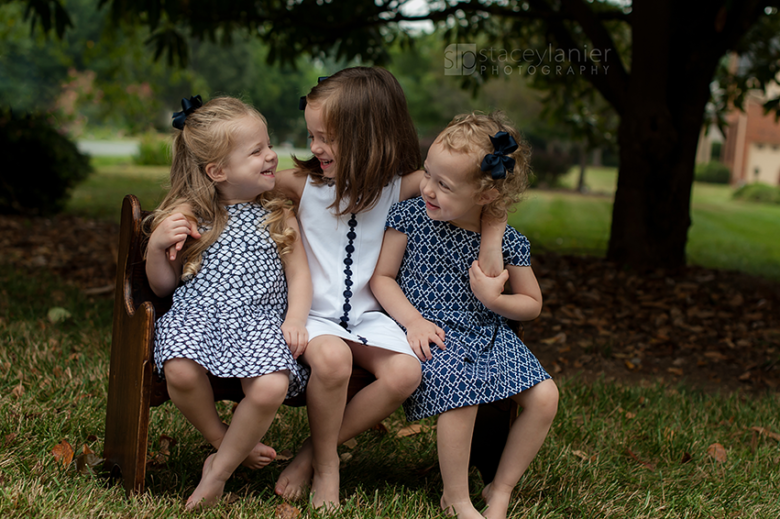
470	134
208	137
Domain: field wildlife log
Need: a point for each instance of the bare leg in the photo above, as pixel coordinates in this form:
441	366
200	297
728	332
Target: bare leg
254	414
397	376
189	387
326	395
540	404
453	438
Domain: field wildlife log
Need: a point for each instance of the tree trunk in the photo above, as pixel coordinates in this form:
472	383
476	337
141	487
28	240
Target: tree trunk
658	134
583	166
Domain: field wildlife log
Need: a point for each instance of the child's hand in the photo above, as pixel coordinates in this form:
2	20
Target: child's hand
171	234
486	288
420	333
295	334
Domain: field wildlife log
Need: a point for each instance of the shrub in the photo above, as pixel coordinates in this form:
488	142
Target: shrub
41	168
713	172
758	192
548	166
153	150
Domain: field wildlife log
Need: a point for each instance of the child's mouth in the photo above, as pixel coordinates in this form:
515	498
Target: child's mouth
268	172
325	164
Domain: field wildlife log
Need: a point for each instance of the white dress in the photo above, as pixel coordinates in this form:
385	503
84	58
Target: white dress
342	253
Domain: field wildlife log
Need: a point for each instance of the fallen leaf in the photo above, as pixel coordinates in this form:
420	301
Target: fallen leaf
58	314
581	454
630	365
556	339
86	462
675	371
645	464
345	457
766	432
745	376
18	391
285	455
411	430
630	415
380	428
166	442
717	451
351	443
686	457
286	511
63	452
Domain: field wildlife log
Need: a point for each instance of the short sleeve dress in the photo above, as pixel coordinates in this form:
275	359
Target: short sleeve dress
228	317
484	361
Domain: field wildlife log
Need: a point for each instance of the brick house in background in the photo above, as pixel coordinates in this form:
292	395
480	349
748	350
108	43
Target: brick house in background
752	146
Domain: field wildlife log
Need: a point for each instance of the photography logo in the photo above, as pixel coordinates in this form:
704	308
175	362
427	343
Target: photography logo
460	59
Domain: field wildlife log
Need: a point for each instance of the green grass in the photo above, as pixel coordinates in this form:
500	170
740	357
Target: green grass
725	234
100	196
613	451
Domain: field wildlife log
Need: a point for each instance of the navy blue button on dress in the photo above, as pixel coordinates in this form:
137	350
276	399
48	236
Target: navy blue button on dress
484	361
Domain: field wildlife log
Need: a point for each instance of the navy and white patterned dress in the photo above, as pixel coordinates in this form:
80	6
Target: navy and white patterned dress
484	361
228	317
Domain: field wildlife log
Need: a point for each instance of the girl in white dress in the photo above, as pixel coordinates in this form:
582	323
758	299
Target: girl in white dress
366	157
232	316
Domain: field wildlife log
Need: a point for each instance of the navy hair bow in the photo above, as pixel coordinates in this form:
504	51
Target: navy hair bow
188	106
499	162
302	100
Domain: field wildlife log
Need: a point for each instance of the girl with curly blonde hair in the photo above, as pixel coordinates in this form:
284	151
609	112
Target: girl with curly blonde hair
429	280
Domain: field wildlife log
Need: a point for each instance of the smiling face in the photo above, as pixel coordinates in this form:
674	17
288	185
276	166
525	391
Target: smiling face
250	167
449	189
322	145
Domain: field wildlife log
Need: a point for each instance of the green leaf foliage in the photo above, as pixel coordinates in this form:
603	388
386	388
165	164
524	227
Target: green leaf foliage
41	165
713	172
758	192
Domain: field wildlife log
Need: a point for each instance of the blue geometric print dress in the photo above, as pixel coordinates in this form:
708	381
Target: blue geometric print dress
484	361
228	317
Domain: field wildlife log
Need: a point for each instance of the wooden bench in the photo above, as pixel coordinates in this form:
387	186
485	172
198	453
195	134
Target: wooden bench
134	386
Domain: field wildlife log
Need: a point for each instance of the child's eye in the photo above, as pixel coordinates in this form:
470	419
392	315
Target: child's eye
426	174
443	185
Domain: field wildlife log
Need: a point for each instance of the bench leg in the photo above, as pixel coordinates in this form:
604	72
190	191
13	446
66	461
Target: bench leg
491	431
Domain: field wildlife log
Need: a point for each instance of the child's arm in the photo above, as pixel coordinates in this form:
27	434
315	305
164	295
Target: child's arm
525	301
419	331
163	265
299	293
491	260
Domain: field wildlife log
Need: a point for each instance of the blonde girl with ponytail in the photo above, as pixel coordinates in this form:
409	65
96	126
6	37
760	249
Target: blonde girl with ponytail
231	255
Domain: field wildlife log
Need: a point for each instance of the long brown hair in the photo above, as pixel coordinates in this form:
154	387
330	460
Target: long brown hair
364	111
470	134
208	137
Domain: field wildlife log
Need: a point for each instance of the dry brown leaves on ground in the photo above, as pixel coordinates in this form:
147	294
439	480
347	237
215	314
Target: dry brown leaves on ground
711	329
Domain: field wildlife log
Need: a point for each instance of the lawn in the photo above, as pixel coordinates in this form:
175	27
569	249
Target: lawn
726	234
645	451
649	450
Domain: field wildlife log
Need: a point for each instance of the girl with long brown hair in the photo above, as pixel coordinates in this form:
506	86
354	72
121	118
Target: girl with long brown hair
366	157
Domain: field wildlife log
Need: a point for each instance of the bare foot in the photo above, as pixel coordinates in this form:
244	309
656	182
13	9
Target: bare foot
462	509
208	491
260	456
497	502
325	489
296	477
